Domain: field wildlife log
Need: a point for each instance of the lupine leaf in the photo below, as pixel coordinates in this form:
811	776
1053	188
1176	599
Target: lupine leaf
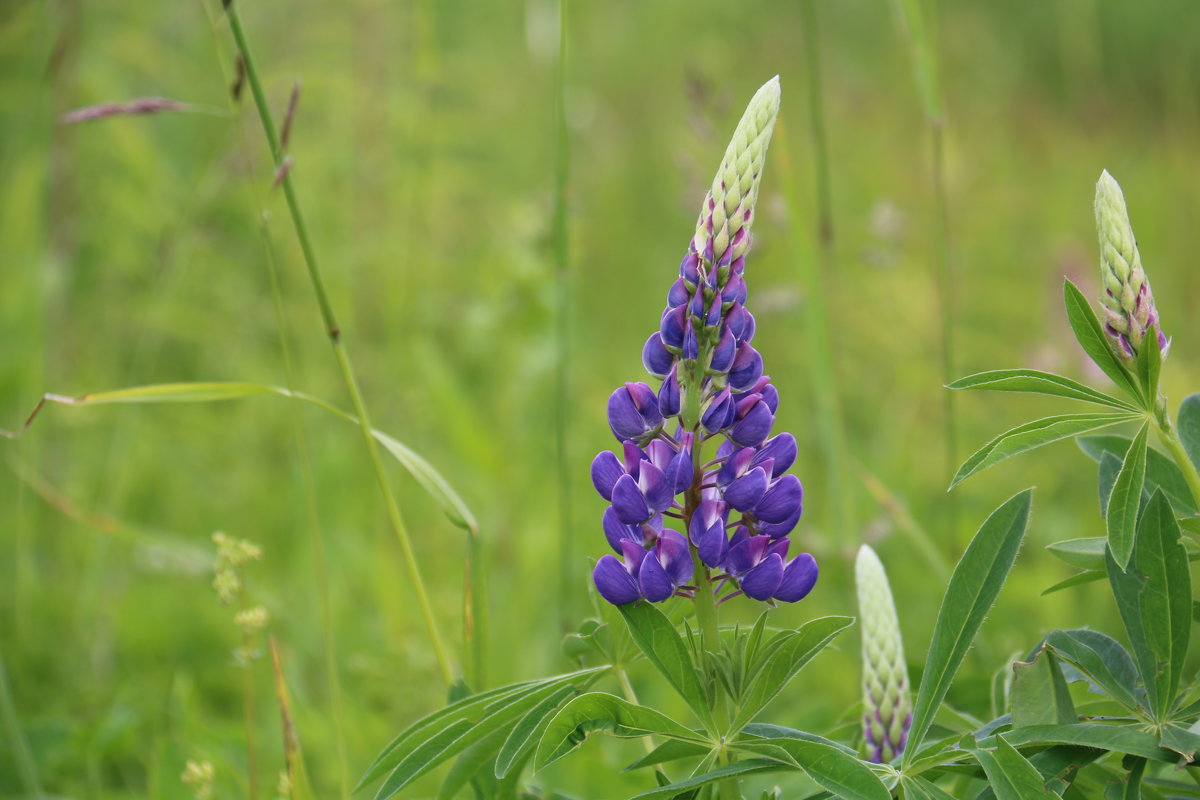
751	766
918	788
1032	435
525	734
763	730
793	650
1149	364
830	766
472	762
670	750
1115	738
1102	659
1109	469
1188	425
598	712
1091	338
1037	382
1087	576
1131	787
207	392
665	649
1011	775
1161	471
1085	553
1126	499
1182	740
973	589
1057	765
1039	693
1154	598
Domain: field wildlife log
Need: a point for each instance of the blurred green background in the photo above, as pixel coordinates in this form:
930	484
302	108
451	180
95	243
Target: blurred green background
132	252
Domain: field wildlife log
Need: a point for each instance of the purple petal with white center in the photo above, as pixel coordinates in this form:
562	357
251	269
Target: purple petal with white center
745	555
781	449
668	395
747	367
723	353
781	501
616	531
763	581
754	427
655	357
679	294
629	503
613	581
799	578
653	580
746	492
671	330
606	471
778	529
645	400
655	488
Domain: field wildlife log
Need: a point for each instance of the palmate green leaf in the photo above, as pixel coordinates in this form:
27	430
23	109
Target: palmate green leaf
1035	434
525	734
830	766
1091	338
599	712
1037	382
670	750
738	769
1011	775
1154	598
1161	471
1040	695
788	655
422	471
1102	659
1128	738
1188	427
1126	499
973	589
665	649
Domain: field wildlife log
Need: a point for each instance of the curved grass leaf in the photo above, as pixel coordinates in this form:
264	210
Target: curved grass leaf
670	750
1154	599
422	471
599	712
1037	382
1161	471
1126	498
1039	693
1032	435
525	734
1128	739
751	766
973	589
1091	338
1011	775
831	767
665	649
1188	426
1101	659
788	656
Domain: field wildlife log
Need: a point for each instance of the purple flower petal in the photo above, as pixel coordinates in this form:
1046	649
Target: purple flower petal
740	322
735	465
655	357
726	349
672	552
672	328
771	397
689	269
629	503
754	427
623	416
746	492
616	531
679	472
654	582
668	395
719	413
778	529
781	501
656	490
714	312
696	309
781	449
745	554
678	295
606	471
763	581
799	577
691	345
613	581
747	367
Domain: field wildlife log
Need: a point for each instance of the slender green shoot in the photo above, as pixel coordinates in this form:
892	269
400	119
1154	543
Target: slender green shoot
335	337
18	747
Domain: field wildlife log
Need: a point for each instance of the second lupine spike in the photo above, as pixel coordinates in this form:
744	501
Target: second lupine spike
887	701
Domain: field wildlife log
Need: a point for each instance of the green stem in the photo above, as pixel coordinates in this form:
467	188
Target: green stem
335	337
1169	436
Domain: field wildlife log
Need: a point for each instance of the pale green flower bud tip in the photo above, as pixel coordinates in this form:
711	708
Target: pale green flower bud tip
887	703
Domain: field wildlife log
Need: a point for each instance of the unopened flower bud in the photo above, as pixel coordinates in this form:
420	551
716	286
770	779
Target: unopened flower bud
887	702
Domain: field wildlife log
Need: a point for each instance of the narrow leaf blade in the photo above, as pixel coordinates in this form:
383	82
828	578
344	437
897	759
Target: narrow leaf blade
1188	425
1093	341
1011	775
1126	499
665	649
1037	382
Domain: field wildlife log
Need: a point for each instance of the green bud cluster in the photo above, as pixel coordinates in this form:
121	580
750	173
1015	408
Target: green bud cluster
887	701
1126	301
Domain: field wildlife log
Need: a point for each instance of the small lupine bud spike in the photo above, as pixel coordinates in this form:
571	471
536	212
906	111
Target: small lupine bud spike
887	701
1127	301
725	217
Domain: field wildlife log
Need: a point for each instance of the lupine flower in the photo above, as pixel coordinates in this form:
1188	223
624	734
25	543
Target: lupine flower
887	702
712	388
1128	304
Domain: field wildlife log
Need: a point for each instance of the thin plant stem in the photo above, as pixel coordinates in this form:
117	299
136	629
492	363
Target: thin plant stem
335	336
1170	437
562	300
247	664
26	768
631	696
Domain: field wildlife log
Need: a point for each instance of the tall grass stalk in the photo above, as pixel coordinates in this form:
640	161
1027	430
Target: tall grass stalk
919	26
334	333
817	270
18	747
562	300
